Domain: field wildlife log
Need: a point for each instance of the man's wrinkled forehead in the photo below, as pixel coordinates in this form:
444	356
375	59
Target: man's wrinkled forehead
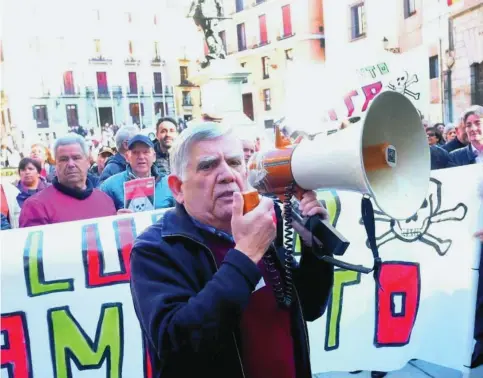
227	147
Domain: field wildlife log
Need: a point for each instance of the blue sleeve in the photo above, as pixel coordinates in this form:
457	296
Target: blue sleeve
108	187
109	170
5	223
181	318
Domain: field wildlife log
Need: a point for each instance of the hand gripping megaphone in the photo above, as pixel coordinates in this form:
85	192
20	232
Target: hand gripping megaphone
385	157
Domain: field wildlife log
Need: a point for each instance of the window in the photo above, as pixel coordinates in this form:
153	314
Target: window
268	123
155	19
133	83
156	49
129	17
187	98
130	48
240	32
102	82
262	20
289	54
134	112
158	82
244	81
1	52
409	8
476	70
266	67
69	83
433	67
40	116
183	70
222	35
239	5
97	46
358	21
159	108
267	99
72	115
96	13
287	21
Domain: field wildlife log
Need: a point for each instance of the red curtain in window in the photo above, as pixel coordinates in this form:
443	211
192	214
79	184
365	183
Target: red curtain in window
69	82
133	83
102	82
287	21
263	29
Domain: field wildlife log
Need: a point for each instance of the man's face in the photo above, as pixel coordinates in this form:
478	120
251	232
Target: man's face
473	129
450	135
248	149
38	153
166	134
431	137
141	157
71	165
101	161
215	170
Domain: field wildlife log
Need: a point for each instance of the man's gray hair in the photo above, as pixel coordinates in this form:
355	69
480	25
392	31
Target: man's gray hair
124	134
71	139
196	132
476	109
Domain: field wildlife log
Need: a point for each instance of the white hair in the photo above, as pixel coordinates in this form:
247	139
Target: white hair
180	150
71	139
124	134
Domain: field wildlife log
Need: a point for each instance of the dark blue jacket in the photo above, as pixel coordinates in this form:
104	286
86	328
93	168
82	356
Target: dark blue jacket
440	158
115	164
190	310
463	156
453	145
5	224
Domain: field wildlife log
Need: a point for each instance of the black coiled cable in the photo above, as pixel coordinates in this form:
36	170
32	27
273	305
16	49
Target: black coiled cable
283	293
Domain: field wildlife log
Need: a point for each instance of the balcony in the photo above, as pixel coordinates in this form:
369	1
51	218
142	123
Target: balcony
71	92
132	61
157	61
186	83
260	44
100	59
116	91
139	91
187	104
284	36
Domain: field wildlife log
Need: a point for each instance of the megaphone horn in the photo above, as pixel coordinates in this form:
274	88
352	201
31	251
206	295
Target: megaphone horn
385	156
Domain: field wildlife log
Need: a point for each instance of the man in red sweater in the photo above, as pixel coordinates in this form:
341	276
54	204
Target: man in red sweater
72	195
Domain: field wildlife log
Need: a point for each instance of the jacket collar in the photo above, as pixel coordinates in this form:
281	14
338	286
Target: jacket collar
470	153
177	222
154	173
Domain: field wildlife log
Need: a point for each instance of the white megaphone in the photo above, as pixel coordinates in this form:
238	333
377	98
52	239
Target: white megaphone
385	156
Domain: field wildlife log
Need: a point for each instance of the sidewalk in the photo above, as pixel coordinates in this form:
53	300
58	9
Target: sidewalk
416	369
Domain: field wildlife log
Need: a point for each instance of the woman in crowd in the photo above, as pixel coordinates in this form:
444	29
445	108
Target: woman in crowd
434	136
31	181
449	133
42	154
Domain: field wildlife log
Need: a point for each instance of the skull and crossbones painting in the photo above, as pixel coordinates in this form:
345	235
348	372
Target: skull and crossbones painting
140	204
402	83
418	227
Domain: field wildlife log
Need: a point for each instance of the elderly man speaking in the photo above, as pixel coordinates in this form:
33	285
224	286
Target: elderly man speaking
200	288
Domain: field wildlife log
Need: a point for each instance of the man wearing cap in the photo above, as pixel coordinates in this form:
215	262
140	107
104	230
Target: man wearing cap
102	156
140	158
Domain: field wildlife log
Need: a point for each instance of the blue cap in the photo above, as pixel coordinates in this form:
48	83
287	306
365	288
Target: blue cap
139	138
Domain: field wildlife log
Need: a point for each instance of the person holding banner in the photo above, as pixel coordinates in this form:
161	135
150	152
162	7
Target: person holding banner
72	195
200	289
140	165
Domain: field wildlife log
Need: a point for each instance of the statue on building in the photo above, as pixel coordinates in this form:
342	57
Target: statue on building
207	15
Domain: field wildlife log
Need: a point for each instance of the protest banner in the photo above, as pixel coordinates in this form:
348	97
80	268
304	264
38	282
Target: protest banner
67	309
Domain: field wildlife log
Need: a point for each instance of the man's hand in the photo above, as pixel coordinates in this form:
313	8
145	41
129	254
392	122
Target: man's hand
309	205
124	211
479	235
254	231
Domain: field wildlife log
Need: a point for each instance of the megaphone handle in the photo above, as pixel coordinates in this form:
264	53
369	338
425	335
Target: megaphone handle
345	265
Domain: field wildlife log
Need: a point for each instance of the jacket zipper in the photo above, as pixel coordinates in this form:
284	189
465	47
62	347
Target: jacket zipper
216	270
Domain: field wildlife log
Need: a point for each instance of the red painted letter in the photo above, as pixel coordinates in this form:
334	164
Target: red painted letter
93	253
370	91
397	303
348	102
16	349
